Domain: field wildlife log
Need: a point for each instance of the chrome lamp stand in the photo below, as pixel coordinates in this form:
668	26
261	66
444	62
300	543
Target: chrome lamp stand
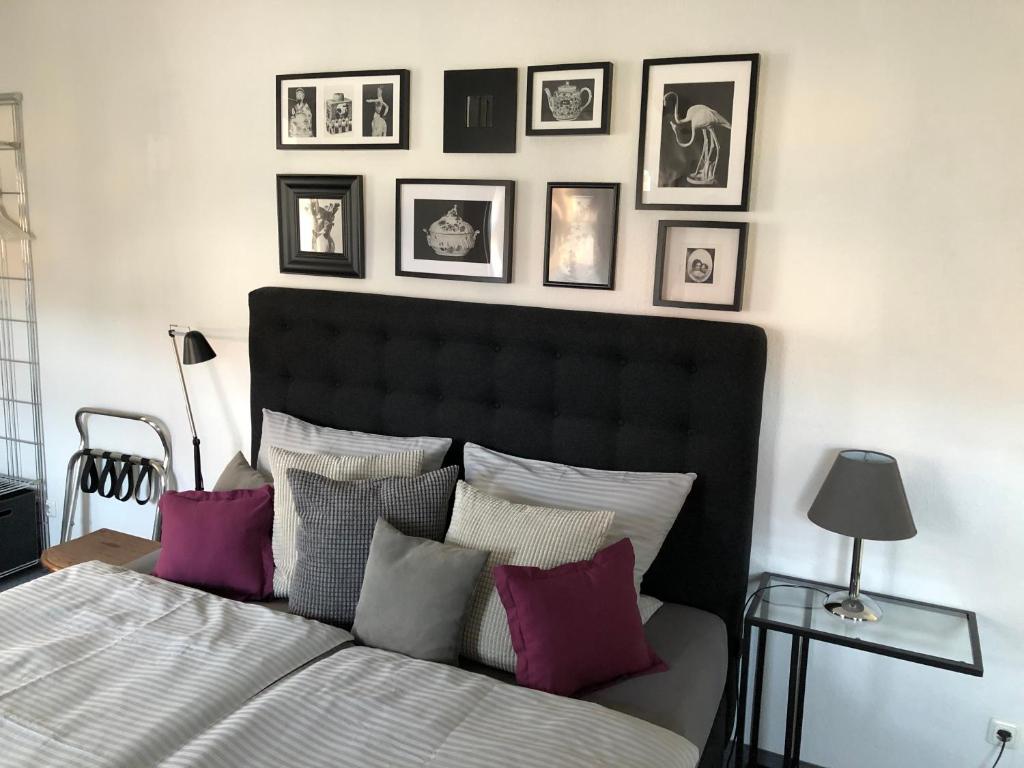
850	603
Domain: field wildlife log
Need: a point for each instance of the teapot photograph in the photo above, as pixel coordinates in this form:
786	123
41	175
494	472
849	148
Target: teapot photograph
568	99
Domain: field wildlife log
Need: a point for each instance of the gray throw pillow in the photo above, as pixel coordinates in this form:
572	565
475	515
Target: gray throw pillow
415	595
337	519
239	476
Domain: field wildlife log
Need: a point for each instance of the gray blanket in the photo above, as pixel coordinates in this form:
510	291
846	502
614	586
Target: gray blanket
100	666
368	708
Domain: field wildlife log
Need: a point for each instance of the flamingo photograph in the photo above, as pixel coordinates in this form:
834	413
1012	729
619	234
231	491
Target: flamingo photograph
696	134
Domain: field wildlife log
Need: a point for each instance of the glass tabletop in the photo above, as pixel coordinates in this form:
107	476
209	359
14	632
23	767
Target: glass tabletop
911	630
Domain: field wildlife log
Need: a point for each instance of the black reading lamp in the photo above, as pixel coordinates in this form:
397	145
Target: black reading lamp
195	349
862	497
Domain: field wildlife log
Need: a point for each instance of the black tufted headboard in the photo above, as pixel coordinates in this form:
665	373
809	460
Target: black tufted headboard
597	390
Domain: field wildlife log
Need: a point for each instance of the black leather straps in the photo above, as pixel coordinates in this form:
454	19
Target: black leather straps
108	476
145	477
90	479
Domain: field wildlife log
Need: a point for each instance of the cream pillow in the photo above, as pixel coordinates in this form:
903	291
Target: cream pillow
286	519
514	534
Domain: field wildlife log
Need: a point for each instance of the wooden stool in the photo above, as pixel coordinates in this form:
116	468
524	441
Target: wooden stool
105	545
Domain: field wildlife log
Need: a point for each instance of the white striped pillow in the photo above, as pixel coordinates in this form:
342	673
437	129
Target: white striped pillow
514	534
283	431
286	519
646	504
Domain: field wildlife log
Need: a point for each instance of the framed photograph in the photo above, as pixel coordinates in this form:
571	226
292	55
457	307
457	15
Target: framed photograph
480	108
697	132
579	237
320	225
700	264
344	110
454	229
568	99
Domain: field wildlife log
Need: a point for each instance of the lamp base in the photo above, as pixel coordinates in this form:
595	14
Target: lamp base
846	606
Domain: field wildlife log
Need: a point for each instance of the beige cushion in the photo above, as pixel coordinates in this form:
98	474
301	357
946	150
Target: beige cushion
238	476
514	534
286	519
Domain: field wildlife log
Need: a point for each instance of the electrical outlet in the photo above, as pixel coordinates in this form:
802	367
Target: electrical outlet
997	725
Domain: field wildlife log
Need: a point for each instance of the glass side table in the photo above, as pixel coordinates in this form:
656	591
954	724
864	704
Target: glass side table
923	633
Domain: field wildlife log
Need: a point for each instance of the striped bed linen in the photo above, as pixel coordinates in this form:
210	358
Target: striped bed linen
369	708
100	666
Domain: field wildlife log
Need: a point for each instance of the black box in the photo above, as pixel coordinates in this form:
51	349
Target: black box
19	530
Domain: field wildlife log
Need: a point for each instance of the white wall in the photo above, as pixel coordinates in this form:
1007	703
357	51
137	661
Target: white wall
886	259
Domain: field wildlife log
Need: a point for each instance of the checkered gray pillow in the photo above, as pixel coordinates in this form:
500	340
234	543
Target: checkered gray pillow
334	538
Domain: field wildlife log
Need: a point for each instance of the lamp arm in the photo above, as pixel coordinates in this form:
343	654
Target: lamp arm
184	388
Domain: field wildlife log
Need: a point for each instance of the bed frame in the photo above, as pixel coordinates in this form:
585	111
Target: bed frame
597	390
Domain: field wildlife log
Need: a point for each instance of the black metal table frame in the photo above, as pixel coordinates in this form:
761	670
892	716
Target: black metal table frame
799	651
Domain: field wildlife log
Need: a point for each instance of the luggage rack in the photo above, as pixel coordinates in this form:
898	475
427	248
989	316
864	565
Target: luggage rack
125	472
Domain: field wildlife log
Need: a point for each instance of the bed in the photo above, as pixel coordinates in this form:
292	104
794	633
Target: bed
605	391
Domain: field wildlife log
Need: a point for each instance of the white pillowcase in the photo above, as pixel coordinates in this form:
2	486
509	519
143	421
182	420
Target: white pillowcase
514	534
283	431
646	504
286	519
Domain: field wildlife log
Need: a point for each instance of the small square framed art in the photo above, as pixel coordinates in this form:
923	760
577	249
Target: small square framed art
454	229
697	132
700	264
320	225
579	235
480	107
366	109
568	99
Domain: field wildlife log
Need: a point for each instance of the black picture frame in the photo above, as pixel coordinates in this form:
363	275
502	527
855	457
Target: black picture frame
480	110
664	228
353	78
603	114
609	227
743	196
348	190
502	259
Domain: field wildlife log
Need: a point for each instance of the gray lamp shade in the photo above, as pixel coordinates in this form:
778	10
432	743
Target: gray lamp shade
196	349
863	497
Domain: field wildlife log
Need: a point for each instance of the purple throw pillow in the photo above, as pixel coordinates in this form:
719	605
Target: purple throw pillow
219	541
577	626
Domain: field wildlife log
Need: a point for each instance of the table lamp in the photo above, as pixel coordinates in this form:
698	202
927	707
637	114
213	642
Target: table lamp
862	497
195	349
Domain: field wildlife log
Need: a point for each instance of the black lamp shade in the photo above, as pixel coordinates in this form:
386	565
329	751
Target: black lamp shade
196	349
863	497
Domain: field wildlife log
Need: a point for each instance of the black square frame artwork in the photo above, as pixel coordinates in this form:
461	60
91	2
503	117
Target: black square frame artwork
480	110
706	269
335	247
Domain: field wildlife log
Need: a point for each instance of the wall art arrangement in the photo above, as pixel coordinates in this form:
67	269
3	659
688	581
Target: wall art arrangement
700	264
320	225
344	110
480	107
568	99
696	137
580	233
696	132
454	229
